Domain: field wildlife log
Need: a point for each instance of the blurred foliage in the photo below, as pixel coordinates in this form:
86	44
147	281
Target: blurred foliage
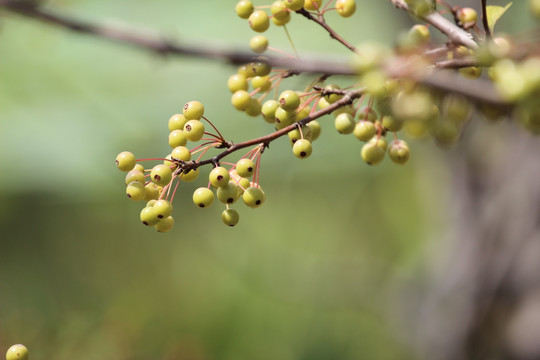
310	275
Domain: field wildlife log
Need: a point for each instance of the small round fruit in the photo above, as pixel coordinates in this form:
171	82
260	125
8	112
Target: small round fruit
135	191
162	208
289	100
262	83
294	5
285	117
203	197
332	98
244	8
254	107
282	20
230	217
302	148
312	4
181	153
148	216
258	44
237	82
344	123
177	138
303	133
364	130
125	161
17	352
135	175
268	111
259	21
534	6
372	154
219	176
161	175
315	129
245	167
165	225
279	10
177	122
190	176
151	192
391	123
193	110
380	141
253	197
194	130
228	194
467	17
243	184
399	151
240	100
345	8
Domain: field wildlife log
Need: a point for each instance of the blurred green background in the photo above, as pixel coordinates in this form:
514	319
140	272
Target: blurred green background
310	275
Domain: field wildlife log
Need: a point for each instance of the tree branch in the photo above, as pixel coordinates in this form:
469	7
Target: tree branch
485	19
451	30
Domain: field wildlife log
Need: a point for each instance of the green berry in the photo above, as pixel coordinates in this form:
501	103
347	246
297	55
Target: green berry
135	191
258	44
193	110
125	161
302	148
219	176
162	208
230	217
279	11
372	154
135	175
303	133
165	225
151	192
190	176
534	6
237	82
181	153
161	175
259	21
240	100
148	216
254	107
262	83
194	130
229	193
421	8
391	123
332	98
285	117
294	5
244	8
380	141
282	20
177	138
345	8
139	167
344	123
315	129
289	100
399	151
312	5
418	35
253	197
364	130
245	167
268	111
467	17
203	197
177	122
17	352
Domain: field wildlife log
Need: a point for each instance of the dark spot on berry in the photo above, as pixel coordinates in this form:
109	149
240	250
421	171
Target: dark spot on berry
157	177
303	154
186	106
258	202
230	200
128	195
117	162
231	225
188	127
282	101
160	216
220	177
250	169
145	223
201	205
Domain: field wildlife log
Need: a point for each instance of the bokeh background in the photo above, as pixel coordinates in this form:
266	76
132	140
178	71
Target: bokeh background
324	270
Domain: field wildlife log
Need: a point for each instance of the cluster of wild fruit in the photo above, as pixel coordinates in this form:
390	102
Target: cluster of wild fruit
157	186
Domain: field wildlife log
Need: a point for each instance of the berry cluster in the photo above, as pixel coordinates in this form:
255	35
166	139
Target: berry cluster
388	97
157	186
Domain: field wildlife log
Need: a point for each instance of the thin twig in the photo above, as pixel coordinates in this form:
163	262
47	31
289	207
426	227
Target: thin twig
485	19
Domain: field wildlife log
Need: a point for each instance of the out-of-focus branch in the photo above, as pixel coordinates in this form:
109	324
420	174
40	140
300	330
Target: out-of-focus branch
451	30
479	90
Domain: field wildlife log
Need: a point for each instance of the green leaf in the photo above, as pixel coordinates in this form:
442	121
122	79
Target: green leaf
494	13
